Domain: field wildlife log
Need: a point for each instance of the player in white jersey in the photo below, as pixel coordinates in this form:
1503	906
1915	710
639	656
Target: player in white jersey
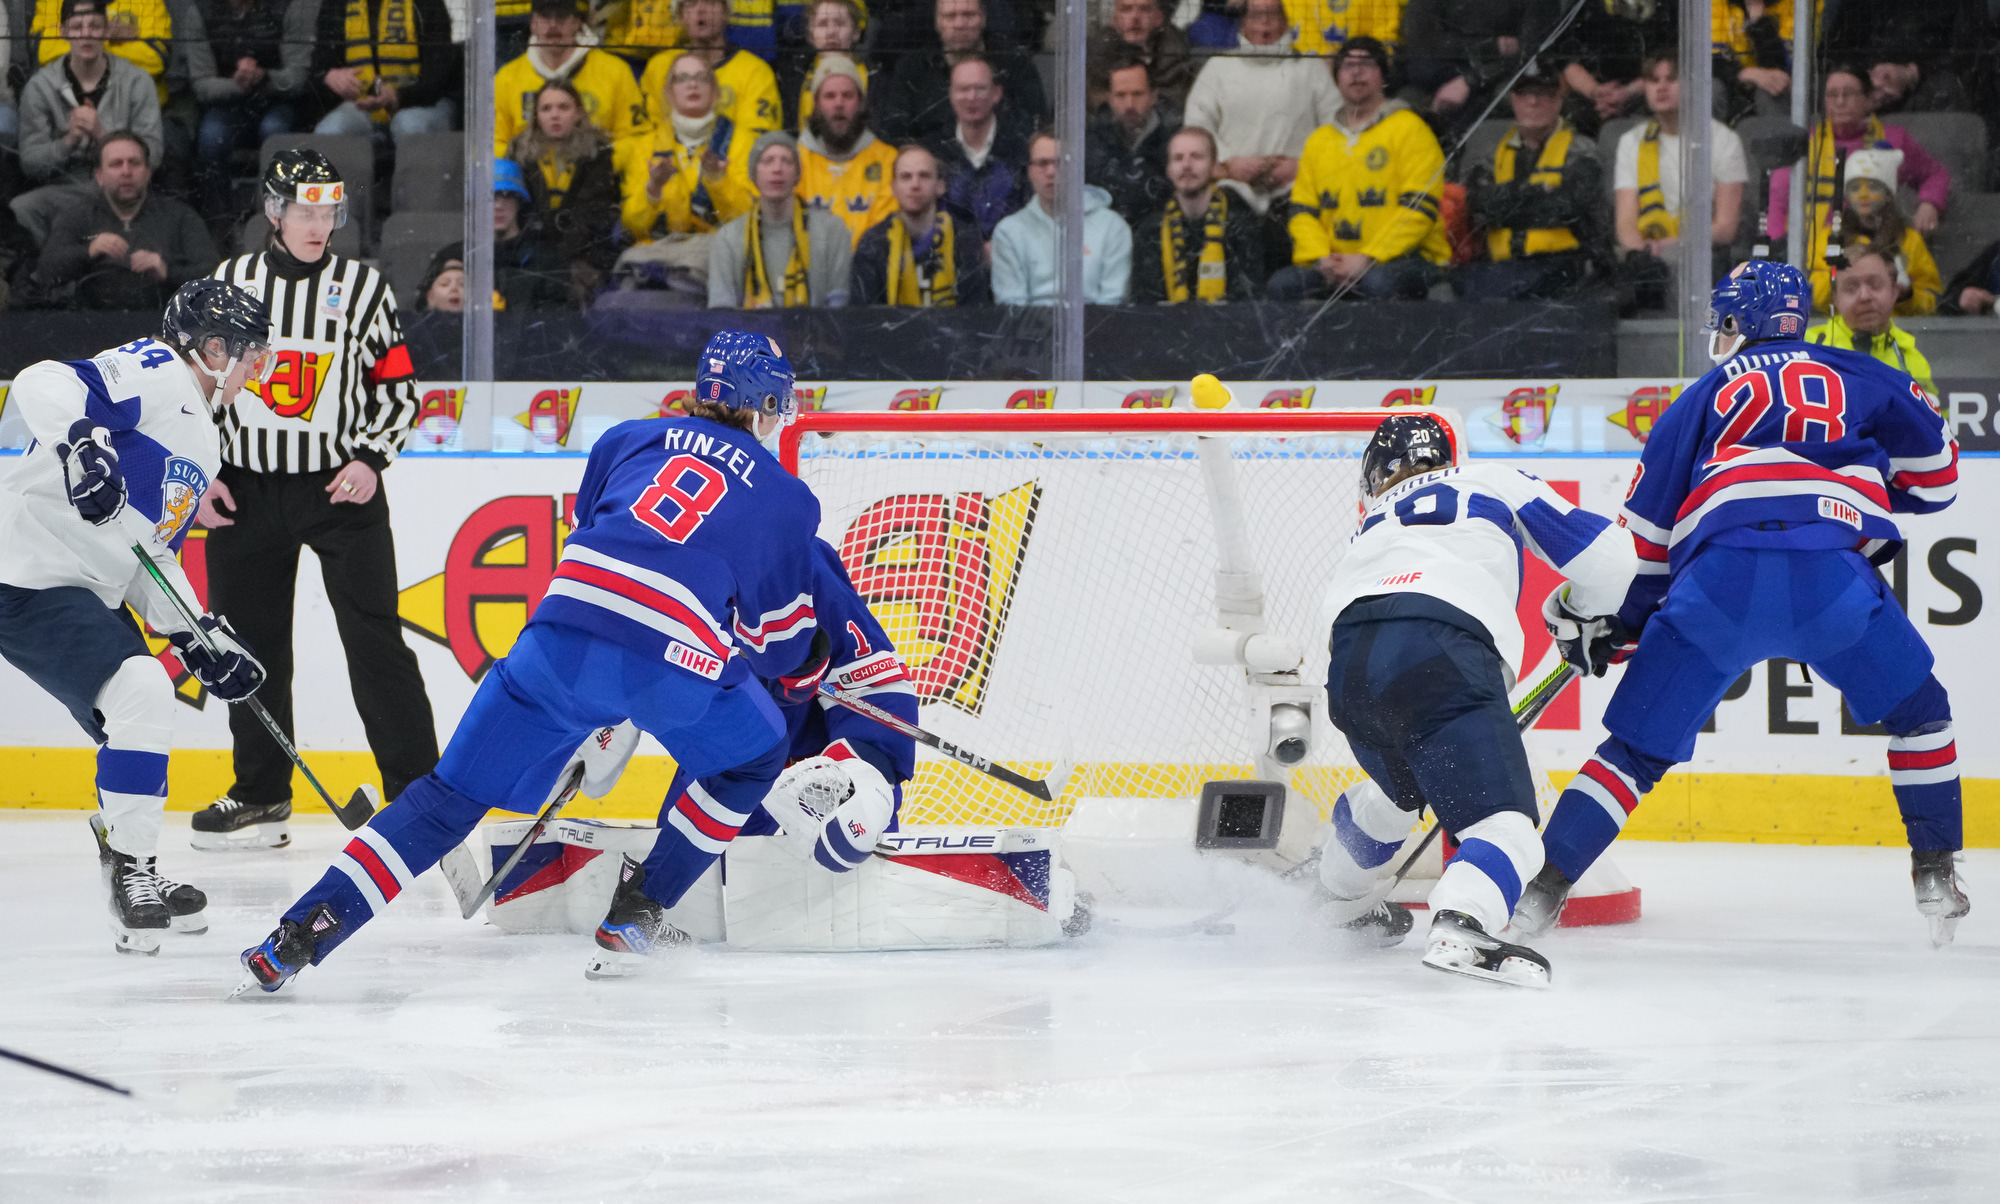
124	444
1425	646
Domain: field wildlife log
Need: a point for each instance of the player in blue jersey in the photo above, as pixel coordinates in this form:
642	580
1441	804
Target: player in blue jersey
124	445
1763	495
685	585
839	794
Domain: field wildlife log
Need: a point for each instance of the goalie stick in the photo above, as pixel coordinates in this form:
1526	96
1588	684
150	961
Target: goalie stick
1525	714
565	791
66	1072
966	757
361	806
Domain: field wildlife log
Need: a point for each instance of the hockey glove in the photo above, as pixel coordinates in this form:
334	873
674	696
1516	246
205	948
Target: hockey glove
802	683
90	472
832	807
605	752
1593	643
232	673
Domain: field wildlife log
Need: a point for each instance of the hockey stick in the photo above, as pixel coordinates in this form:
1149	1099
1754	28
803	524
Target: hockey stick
65	1072
972	760
360	807
564	792
1529	710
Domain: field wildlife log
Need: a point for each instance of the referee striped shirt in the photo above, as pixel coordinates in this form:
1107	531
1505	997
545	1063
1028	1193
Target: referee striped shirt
343	388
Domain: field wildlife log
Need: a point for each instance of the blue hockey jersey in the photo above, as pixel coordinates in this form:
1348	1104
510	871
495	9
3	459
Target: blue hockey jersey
693	543
864	664
1786	445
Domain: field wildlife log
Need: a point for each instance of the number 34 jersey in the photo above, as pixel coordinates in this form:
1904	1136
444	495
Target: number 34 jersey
1786	445
1458	535
692	542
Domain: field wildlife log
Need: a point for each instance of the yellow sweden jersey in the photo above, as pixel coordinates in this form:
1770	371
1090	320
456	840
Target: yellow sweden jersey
1375	194
688	204
642	27
610	95
857	191
1320	26
749	91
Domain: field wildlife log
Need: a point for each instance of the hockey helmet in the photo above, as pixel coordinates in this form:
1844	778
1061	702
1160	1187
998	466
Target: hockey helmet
745	371
1759	299
1404	441
207	311
299	175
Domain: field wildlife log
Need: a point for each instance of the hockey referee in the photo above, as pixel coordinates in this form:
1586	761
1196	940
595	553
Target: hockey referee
305	468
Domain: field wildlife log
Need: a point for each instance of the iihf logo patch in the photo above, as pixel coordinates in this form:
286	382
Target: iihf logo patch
181	488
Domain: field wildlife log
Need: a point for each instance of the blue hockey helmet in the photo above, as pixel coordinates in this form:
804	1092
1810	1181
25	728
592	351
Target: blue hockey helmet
1417	441
745	371
1759	299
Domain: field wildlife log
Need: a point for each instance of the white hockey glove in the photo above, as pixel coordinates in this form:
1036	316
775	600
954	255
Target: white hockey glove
90	472
605	753
1592	643
833	807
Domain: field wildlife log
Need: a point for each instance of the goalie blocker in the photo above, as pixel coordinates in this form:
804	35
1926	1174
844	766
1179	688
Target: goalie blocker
923	888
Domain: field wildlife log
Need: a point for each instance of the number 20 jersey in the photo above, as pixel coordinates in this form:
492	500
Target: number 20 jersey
1786	445
1458	535
692	543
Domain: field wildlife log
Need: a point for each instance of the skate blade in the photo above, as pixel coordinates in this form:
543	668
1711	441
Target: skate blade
612	963
142	941
274	835
1457	957
248	985
1944	929
193	925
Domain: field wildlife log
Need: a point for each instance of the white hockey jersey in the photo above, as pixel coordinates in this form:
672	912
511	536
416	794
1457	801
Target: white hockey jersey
167	448
1458	534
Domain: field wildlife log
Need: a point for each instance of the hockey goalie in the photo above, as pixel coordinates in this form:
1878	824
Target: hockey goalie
822	864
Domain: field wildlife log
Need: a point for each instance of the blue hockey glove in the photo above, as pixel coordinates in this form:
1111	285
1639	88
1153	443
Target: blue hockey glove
90	472
234	674
1593	643
802	683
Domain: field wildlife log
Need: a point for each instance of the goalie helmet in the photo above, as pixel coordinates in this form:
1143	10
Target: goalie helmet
300	176
1404	441
744	371
1759	299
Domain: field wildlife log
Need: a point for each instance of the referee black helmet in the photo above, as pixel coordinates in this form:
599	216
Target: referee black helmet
298	175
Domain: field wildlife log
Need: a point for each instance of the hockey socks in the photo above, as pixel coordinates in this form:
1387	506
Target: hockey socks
1496	857
1923	768
1597	802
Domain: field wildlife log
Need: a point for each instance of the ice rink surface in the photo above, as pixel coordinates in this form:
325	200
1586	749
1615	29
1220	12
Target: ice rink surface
1776	1028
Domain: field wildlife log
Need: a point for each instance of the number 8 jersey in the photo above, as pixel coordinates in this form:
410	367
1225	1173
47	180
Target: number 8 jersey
691	541
1458	535
1786	445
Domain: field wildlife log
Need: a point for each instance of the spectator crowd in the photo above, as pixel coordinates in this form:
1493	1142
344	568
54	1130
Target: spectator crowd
658	154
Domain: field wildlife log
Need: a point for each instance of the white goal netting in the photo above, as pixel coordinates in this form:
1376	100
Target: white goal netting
1046	586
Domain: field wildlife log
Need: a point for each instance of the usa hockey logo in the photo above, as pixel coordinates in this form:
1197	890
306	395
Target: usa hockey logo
180	492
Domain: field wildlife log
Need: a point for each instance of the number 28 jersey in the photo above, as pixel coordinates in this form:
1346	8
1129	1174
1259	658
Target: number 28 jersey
693	543
1458	535
1786	445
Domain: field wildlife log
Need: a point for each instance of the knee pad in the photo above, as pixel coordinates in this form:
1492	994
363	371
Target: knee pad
1927	710
137	706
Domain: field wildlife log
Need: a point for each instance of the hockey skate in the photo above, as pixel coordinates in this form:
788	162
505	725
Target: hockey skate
1460	946
139	915
289	949
1384	926
1541	905
228	824
634	927
1940	896
186	905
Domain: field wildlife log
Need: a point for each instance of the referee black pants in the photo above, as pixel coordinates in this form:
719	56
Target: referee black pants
253	570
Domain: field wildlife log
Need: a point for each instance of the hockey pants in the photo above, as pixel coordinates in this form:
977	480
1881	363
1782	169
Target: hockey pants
1423	704
555	687
1729	608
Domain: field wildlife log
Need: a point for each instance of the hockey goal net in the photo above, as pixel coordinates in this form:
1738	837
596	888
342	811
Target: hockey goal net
1046	576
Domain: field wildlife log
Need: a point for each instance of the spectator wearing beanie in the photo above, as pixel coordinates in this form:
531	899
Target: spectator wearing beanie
782	253
844	169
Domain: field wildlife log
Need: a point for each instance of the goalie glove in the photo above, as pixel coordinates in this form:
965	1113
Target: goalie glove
604	754
833	807
91	474
231	673
1592	643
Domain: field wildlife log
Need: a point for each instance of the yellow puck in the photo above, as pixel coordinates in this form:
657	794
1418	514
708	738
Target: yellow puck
1209	393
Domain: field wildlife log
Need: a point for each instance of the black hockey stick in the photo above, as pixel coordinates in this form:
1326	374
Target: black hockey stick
565	791
966	757
360	807
1525	714
66	1072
